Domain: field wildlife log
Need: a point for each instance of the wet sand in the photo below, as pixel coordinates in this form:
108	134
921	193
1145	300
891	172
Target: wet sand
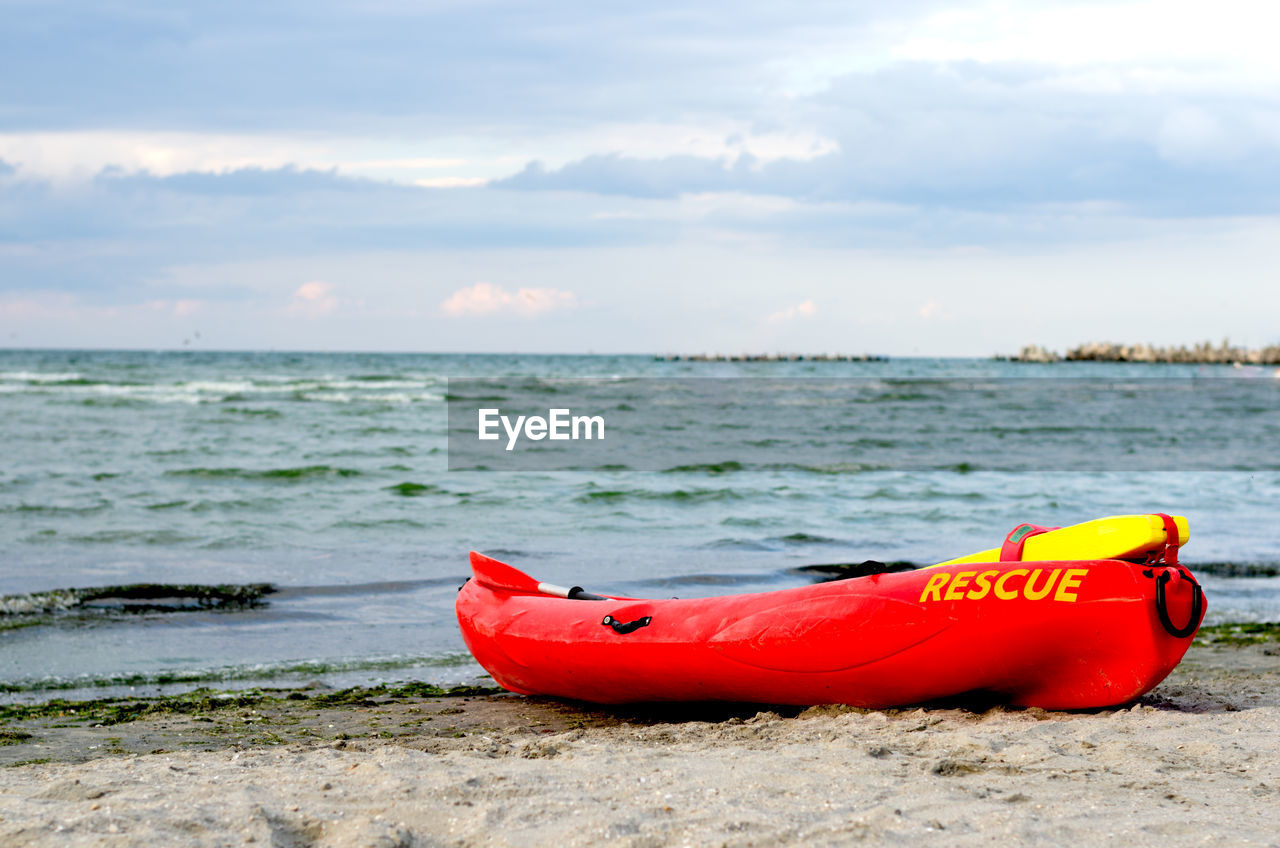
1194	762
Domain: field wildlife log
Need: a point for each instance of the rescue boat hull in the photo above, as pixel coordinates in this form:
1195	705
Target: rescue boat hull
1058	635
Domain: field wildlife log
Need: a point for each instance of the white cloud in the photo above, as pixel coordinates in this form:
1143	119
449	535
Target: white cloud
313	300
931	309
450	182
803	309
713	139
34	316
1235	35
1191	135
488	299
417	163
62	155
181	308
81	154
37	305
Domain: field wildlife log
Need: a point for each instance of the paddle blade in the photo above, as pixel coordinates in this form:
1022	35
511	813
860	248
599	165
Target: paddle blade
499	575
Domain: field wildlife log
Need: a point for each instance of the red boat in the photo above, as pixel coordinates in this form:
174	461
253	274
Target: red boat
1054	634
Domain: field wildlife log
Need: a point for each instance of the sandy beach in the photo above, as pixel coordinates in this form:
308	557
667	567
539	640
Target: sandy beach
1197	761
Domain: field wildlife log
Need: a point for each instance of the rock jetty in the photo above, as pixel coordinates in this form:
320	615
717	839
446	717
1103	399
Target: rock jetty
1203	353
769	357
1033	353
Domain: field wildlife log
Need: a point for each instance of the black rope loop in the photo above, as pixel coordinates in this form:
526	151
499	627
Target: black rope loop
1162	607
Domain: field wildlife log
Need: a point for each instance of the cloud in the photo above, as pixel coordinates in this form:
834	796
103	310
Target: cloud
983	138
252	181
450	182
612	173
488	299
26	307
1135	32
440	67
71	155
313	300
187	306
116	234
803	309
1191	136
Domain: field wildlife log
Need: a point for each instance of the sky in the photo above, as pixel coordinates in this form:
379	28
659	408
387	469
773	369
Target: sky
901	178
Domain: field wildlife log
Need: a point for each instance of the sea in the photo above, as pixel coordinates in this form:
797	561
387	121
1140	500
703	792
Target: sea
174	520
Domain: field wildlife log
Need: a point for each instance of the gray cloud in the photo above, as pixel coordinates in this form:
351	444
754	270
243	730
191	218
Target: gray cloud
247	182
612	173
985	139
928	154
117	233
432	68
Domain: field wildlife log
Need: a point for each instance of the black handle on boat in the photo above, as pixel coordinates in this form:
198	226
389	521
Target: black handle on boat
623	628
1162	607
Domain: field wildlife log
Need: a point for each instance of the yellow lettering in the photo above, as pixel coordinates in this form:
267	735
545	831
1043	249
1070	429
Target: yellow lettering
1031	593
1036	585
1070	580
1005	594
934	587
981	586
956	591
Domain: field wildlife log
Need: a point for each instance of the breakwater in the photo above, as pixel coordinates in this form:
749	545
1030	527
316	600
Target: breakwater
1203	353
769	357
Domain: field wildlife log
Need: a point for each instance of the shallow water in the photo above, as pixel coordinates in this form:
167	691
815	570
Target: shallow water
325	476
